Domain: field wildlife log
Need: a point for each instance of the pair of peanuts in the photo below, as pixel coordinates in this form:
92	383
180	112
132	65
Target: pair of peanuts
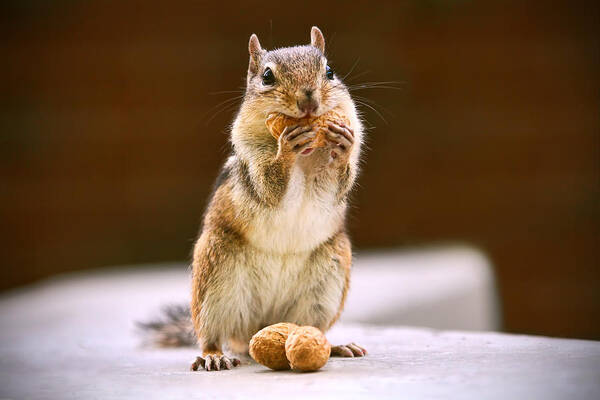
285	345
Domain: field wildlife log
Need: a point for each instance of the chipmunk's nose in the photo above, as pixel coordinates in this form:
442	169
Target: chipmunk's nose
306	102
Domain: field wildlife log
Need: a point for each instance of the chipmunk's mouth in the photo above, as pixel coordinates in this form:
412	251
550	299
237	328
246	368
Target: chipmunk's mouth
299	115
310	115
304	115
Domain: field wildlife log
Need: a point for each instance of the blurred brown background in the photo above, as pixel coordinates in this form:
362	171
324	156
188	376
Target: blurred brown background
108	150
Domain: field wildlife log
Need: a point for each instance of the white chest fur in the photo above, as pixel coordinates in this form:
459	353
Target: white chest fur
291	289
304	219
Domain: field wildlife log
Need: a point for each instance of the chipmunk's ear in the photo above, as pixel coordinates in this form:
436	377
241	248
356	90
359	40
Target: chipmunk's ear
316	39
255	53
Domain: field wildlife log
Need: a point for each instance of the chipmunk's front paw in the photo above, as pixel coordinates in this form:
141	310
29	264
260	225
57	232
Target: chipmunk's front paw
341	138
349	350
214	362
296	139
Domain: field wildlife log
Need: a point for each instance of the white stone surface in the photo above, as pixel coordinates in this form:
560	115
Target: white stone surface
442	288
73	338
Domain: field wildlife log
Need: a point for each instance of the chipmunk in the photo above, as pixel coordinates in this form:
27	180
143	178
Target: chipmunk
273	246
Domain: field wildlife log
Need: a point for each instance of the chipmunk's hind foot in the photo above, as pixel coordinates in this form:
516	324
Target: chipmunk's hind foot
214	362
349	350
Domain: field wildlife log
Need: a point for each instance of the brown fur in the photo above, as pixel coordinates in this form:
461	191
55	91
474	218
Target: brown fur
342	250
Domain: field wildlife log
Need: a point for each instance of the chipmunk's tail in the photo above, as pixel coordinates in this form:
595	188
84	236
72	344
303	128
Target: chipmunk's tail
172	329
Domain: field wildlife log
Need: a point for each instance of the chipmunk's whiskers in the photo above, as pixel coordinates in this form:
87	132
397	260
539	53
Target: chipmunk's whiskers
394	85
222	106
365	102
351	69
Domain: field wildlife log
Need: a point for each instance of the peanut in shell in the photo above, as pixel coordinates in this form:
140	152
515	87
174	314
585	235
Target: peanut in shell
277	122
267	346
307	349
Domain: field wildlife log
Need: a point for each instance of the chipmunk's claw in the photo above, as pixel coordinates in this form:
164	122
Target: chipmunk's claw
297	138
349	350
212	362
341	137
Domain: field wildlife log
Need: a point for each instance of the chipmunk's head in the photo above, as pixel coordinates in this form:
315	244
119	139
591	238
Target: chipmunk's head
296	81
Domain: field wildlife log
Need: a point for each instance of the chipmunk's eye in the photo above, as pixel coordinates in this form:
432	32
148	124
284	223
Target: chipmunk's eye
268	78
329	73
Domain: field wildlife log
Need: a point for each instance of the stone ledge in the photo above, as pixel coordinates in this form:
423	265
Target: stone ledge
402	363
72	338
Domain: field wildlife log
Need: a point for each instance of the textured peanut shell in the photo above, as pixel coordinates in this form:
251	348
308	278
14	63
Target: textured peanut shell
307	349
277	122
267	346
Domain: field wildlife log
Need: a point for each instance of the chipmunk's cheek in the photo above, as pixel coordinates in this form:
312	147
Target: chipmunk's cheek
307	151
